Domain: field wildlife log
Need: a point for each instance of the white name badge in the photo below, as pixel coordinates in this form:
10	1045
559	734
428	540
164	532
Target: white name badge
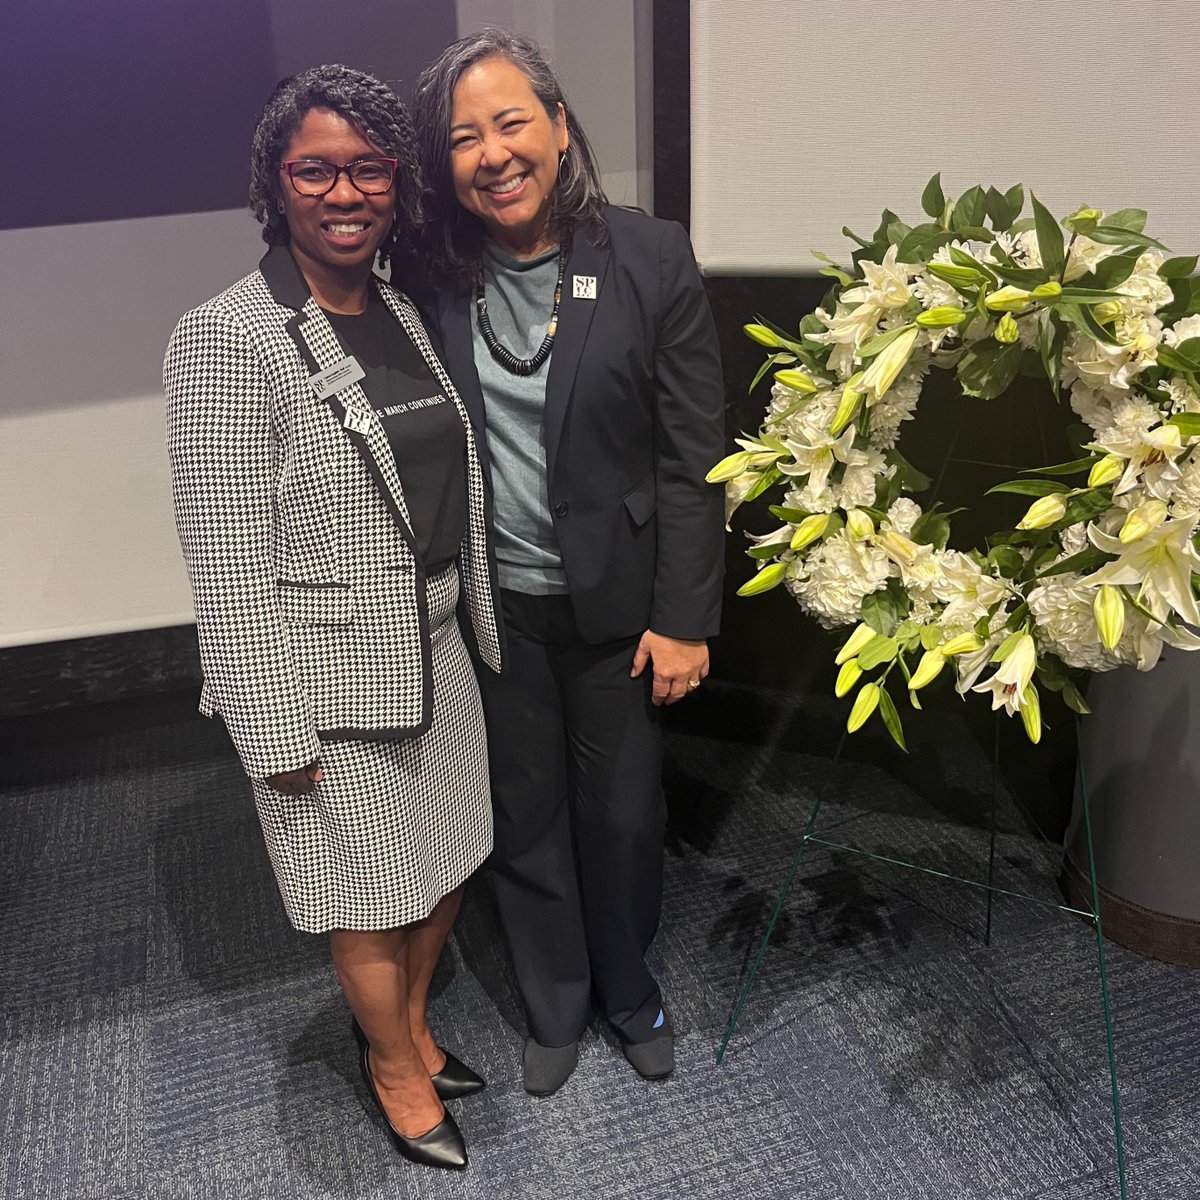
330	381
583	287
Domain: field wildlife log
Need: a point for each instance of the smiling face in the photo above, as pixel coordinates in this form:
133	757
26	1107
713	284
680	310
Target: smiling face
504	151
334	238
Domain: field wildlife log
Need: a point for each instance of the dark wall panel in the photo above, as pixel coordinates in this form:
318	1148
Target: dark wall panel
137	108
130	108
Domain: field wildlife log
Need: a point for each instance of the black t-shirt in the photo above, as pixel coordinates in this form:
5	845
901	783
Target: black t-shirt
426	434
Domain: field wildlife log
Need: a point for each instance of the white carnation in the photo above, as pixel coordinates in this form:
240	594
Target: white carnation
836	577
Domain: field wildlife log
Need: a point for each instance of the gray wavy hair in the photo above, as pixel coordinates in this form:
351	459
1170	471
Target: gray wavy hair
455	240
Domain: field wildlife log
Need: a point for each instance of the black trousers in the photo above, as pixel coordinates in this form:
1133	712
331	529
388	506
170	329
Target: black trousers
575	749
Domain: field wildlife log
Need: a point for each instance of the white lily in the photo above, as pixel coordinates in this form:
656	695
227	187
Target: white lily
1012	677
816	455
885	284
1160	565
1150	455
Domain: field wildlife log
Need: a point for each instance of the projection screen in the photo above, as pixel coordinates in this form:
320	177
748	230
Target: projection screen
809	116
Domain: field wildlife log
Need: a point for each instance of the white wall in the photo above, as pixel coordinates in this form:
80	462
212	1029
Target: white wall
87	543
808	117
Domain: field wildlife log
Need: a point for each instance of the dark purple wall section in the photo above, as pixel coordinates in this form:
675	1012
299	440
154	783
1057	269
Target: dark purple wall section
114	109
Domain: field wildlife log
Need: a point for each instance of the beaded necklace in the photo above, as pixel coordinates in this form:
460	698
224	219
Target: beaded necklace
502	354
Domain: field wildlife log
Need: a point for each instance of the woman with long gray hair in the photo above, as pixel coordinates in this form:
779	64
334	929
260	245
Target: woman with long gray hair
580	339
329	500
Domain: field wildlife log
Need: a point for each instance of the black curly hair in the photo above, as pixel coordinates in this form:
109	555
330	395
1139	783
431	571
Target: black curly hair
455	236
367	104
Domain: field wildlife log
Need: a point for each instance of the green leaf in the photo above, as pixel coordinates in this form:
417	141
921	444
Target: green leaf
1133	219
1187	423
1079	295
1085	560
969	209
988	367
1028	487
1074	699
772	360
1087	324
1069	468
1049	236
1178	268
891	719
963	259
932	199
1109	236
1084	507
877	651
1172	358
848	232
1007	561
838	274
921	241
885	609
932	529
881	341
768	478
999	211
931	636
1113	271
1015	196
909	478
767	550
1025	277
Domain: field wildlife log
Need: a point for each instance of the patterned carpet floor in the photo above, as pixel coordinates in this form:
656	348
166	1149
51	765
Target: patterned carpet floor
166	1035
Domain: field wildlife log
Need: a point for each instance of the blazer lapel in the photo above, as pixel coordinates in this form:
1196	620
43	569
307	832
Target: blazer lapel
588	262
320	349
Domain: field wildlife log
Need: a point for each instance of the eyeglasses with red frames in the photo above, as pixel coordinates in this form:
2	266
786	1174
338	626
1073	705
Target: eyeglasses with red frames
315	177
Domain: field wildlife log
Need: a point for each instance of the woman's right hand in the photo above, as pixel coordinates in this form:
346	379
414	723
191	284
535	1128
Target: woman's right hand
298	782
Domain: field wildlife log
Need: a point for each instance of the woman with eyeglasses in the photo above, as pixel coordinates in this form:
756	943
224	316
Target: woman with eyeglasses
581	340
330	504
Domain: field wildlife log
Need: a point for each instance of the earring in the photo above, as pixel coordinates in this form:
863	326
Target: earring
562	158
279	206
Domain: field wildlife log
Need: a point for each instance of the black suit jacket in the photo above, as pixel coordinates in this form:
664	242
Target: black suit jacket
634	419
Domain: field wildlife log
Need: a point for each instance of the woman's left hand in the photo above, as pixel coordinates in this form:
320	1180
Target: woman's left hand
678	664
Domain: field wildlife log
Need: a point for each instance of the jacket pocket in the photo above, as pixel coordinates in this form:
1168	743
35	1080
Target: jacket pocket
316	603
640	501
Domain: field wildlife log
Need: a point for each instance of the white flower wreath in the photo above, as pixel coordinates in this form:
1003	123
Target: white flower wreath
1099	572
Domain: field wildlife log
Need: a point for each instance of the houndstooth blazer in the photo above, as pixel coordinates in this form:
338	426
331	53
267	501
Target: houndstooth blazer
310	602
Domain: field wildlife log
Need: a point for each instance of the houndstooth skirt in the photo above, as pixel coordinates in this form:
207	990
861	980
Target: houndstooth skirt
394	825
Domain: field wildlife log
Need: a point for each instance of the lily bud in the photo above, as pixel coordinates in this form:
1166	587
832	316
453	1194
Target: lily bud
1109	611
1106	311
955	275
1044	511
798	381
848	676
1031	713
809	530
888	363
862	634
729	467
1018	665
1007	299
845	409
964	643
859	524
1046	291
1144	519
928	669
940	316
764	579
1105	470
1084	216
1006	330
865	703
760	334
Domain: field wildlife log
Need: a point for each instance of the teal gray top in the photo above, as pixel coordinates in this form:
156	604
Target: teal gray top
520	295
